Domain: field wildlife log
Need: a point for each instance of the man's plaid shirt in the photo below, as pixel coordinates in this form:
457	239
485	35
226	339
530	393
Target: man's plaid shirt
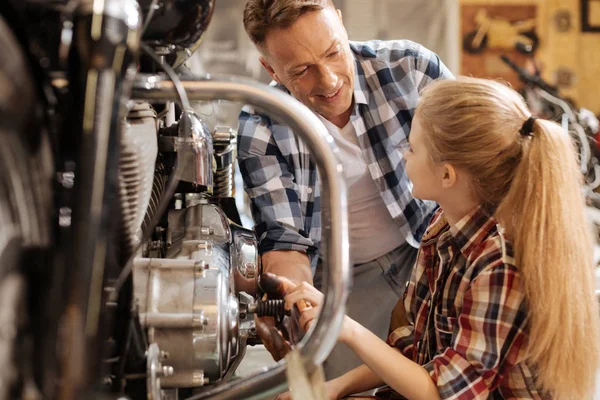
281	179
468	318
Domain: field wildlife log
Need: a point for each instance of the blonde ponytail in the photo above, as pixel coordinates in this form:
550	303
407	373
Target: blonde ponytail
533	185
544	213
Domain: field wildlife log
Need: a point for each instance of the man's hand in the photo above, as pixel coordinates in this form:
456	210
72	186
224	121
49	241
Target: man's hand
293	265
282	270
277	337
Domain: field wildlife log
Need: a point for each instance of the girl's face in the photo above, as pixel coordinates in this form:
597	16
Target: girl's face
425	174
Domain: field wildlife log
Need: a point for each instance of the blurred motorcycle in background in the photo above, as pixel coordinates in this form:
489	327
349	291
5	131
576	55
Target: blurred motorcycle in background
583	126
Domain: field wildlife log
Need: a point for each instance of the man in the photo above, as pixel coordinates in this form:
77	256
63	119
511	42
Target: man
365	94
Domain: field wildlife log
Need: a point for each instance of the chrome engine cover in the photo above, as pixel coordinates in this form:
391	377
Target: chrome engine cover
188	301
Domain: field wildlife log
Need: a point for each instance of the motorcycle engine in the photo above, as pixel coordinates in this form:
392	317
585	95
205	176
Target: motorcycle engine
190	278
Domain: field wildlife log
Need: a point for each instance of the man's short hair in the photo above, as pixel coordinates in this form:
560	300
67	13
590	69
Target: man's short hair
262	15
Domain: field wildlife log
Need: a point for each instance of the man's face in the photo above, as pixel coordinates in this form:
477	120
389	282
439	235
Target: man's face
312	59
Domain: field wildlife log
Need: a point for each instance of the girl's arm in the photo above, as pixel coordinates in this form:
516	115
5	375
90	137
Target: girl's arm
403	375
359	380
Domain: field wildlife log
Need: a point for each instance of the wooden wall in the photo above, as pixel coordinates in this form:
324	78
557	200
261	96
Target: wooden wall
569	58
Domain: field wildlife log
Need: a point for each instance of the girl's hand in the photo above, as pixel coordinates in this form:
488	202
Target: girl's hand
308	300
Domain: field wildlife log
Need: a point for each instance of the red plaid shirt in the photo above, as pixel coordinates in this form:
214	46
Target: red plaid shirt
467	312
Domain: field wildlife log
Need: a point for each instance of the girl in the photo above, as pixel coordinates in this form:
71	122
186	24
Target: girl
501	300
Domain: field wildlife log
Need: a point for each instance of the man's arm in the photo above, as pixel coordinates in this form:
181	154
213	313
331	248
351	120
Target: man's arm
277	208
294	265
284	239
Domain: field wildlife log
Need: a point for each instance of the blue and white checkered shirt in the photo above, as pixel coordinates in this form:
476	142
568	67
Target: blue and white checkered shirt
281	179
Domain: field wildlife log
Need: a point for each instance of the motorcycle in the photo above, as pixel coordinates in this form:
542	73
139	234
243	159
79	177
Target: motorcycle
499	33
581	124
124	269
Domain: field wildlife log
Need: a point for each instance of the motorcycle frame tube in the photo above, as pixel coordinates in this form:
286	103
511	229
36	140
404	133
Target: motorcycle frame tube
321	338
106	43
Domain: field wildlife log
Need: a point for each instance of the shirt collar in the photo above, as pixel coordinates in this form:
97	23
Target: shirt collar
473	229
469	231
361	87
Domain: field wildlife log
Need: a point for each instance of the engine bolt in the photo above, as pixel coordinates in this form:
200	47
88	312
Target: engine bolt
168	370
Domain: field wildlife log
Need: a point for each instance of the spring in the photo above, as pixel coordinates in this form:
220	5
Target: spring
271	308
223	182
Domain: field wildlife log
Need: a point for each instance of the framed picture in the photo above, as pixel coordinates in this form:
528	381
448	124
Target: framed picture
590	15
507	25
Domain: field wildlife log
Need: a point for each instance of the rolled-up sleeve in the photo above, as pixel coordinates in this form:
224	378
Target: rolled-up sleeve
489	334
271	187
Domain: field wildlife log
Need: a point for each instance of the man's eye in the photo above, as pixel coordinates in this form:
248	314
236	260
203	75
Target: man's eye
335	53
300	73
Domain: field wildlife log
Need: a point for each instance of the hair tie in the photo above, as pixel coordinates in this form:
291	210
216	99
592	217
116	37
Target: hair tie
527	128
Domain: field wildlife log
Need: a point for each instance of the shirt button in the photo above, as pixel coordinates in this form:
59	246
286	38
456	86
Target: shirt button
309	190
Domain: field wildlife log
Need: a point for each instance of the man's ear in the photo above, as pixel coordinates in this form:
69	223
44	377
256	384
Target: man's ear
269	69
449	176
339	13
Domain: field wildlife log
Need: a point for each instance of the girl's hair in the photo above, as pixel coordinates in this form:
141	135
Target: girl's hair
533	186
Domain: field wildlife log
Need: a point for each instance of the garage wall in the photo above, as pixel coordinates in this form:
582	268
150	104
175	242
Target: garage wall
569	57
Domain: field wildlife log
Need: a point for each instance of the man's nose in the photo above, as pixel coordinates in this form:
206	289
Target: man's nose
328	77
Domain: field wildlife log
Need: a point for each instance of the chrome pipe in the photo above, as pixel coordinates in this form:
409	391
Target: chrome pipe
106	43
194	151
320	340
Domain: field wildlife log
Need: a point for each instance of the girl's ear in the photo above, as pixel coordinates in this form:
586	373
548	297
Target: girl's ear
448	176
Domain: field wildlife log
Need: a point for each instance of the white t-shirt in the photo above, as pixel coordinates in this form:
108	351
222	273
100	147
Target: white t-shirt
373	232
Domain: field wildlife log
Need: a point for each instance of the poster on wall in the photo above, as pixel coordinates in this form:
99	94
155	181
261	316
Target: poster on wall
490	31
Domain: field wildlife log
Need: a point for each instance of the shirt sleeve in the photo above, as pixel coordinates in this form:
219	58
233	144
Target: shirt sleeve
487	337
270	184
403	339
428	67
